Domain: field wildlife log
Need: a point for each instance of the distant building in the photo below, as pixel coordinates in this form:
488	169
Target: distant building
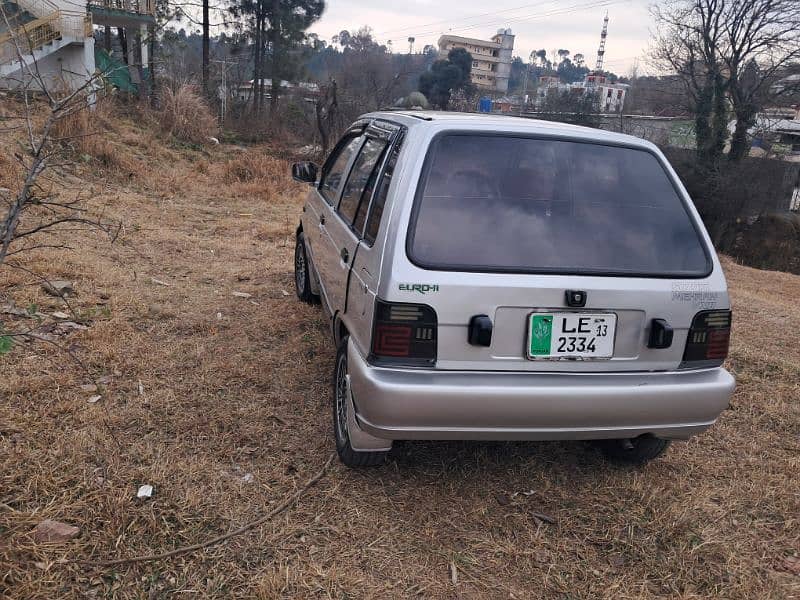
307	89
491	60
610	96
55	38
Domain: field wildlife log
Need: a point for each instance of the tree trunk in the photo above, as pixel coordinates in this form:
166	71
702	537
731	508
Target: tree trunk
123	42
719	121
326	107
702	126
276	76
205	47
107	38
151	55
257	62
740	143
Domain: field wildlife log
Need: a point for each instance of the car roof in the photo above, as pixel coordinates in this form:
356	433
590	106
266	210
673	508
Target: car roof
442	120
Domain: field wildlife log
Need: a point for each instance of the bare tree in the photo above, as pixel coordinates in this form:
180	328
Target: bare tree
687	42
38	216
727	52
761	40
326	109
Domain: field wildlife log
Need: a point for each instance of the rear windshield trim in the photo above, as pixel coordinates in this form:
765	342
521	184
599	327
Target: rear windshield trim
430	266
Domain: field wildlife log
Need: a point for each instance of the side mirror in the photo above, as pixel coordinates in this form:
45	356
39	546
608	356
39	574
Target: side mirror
304	172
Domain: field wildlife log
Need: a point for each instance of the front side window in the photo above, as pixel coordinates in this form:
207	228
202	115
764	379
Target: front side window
361	180
511	204
331	182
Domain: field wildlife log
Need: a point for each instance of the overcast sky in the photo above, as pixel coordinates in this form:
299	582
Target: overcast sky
571	24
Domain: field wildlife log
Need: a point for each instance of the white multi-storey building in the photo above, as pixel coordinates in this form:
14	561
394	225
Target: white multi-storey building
491	59
56	37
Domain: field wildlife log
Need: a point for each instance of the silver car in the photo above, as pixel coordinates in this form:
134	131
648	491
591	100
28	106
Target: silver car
499	278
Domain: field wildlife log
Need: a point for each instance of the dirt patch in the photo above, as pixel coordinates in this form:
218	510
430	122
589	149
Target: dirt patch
202	388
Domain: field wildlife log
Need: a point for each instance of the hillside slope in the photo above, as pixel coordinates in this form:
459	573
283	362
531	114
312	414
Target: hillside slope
221	402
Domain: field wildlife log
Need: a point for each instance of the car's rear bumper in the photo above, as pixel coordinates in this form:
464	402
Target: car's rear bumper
428	404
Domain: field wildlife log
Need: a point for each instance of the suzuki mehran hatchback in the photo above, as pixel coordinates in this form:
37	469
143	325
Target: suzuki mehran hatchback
500	278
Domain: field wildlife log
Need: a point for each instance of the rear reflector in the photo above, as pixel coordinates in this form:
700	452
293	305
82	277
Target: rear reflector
708	339
404	334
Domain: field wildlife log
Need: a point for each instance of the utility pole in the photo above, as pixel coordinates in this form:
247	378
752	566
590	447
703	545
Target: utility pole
223	101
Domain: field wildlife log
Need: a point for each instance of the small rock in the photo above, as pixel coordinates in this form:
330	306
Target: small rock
104	379
792	564
159	282
59	288
64	327
89	388
219	316
241	294
49	531
502	499
162	312
248	478
8	309
94	399
285	293
145	491
60	315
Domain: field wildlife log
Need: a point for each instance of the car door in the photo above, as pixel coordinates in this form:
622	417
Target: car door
322	206
367	263
342	231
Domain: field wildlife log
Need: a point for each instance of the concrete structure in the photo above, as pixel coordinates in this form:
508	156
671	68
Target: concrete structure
55	39
610	97
491	59
308	90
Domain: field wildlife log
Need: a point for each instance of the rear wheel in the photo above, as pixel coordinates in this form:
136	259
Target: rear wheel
636	451
341	406
302	272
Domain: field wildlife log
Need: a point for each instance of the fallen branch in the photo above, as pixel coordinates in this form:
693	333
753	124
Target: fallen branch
221	538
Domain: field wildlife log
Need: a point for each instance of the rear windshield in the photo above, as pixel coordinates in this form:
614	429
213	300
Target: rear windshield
495	203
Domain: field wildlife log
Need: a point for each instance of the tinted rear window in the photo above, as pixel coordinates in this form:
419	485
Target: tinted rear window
493	203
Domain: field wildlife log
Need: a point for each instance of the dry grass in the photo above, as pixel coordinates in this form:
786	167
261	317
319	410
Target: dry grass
185	115
220	375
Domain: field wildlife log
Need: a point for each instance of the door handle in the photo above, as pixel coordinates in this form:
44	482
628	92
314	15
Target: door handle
322	220
345	255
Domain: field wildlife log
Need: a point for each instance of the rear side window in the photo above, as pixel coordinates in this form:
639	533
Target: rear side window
379	200
497	203
332	178
361	180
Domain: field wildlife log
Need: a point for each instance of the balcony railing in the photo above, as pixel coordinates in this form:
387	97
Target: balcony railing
53	26
141	7
30	37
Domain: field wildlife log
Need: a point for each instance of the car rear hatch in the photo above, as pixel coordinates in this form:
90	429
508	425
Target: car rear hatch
569	255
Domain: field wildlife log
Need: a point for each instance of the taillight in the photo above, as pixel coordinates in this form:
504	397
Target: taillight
404	334
708	340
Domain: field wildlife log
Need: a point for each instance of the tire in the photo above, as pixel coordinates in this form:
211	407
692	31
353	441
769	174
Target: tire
635	451
302	272
348	456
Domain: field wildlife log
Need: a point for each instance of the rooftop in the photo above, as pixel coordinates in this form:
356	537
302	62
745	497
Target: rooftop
466	40
503	123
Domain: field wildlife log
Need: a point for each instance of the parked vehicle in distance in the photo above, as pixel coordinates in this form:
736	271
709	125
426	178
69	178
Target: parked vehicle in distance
501	278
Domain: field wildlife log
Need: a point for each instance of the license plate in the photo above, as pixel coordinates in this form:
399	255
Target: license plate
571	335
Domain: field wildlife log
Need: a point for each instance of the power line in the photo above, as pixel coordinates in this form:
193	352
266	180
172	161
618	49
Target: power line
445	21
528	18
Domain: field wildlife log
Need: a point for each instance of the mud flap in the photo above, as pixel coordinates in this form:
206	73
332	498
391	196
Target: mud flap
360	440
